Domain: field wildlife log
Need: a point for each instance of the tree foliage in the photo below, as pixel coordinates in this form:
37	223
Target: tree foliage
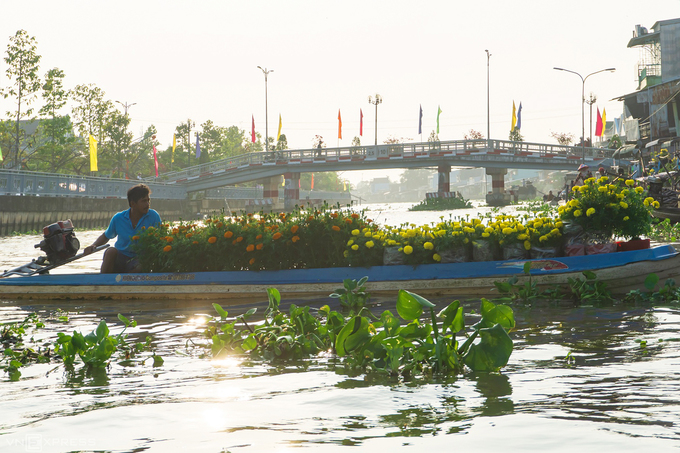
563	138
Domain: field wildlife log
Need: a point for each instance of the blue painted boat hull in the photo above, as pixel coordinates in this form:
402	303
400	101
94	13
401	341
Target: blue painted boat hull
625	270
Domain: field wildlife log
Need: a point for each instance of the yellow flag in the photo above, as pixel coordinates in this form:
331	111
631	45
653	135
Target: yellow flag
174	145
279	133
514	117
604	121
93	154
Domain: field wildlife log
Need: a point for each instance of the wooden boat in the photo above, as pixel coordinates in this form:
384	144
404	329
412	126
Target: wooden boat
622	271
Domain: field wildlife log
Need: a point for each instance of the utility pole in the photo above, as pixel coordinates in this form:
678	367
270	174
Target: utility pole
375	101
266	72
590	101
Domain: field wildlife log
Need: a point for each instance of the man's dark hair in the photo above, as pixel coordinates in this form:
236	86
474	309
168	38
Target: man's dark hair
136	193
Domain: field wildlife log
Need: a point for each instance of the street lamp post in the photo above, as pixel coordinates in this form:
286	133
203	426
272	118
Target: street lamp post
583	103
488	120
375	101
266	72
126	106
590	101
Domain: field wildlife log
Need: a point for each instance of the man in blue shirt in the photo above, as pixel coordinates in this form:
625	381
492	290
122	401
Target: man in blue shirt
124	225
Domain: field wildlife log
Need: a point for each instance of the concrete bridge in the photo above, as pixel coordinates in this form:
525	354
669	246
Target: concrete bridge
494	155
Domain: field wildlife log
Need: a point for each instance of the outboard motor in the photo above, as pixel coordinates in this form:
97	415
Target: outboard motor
59	243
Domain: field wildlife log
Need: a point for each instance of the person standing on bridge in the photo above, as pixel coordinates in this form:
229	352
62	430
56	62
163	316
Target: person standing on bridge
124	225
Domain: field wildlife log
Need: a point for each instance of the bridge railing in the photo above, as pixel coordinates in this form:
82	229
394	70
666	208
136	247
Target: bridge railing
371	152
19	182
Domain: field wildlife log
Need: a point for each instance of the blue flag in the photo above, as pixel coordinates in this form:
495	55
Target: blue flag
198	148
420	120
519	117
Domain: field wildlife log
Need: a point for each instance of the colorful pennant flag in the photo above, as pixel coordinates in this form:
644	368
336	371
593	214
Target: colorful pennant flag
339	125
1	154
598	126
439	111
174	145
361	123
253	131
155	160
420	120
519	117
278	134
604	121
198	148
514	117
312	187
93	154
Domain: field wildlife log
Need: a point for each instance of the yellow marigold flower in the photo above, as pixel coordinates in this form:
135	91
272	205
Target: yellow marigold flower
646	202
212	239
466	240
590	212
167	248
350	242
428	246
369	244
630	182
368	234
656	204
625	192
135	238
356	232
577	213
345	253
623	204
555	232
639	189
355	247
436	257
276	236
626	218
408	250
527	245
485	235
522	237
602	189
543	238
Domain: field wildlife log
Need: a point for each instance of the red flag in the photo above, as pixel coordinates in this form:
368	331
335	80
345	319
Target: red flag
312	188
361	123
155	160
253	131
598	127
339	125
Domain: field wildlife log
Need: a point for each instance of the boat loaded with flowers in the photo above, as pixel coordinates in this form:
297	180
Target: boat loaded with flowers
310	251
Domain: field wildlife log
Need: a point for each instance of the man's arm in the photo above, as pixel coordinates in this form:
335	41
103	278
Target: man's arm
101	240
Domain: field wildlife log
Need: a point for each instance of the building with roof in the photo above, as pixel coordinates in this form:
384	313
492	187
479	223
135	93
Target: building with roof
651	112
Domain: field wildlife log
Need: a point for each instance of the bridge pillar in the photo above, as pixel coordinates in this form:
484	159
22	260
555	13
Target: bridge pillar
270	187
497	196
444	178
291	192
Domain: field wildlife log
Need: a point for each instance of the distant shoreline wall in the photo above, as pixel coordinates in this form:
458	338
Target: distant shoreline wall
22	214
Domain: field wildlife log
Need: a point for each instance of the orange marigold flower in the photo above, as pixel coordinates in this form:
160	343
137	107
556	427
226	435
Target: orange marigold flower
135	238
369	220
208	220
239	239
252	261
250	248
228	234
143	228
348	220
355	215
295	238
334	215
167	248
259	236
220	225
175	230
212	239
310	218
294	229
233	242
277	236
195	242
336	228
259	246
169	238
188	236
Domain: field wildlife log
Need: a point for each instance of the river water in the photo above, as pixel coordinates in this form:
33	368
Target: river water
580	379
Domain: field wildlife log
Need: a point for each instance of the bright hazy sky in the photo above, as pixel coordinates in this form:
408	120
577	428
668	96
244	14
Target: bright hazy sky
177	60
